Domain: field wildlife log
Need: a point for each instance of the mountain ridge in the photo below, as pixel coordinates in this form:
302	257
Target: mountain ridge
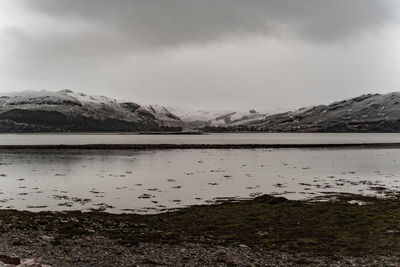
69	111
365	113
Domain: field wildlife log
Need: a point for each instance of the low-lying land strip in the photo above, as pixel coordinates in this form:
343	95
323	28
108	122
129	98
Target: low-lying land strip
203	146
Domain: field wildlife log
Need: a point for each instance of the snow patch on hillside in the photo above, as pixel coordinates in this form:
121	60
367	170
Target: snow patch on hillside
73	103
219	118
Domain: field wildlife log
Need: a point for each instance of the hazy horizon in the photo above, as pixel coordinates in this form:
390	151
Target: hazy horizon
219	54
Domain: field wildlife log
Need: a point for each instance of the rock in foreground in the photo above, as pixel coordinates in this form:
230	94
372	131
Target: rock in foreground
14	261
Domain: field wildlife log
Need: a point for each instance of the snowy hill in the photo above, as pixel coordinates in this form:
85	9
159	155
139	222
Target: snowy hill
217	118
366	113
65	110
68	111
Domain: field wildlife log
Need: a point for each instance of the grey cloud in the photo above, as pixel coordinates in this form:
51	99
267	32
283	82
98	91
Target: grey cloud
159	23
242	53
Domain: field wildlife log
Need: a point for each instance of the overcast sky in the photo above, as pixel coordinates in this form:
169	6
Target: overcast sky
219	54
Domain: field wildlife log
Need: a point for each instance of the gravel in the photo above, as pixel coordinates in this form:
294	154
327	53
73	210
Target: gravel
97	250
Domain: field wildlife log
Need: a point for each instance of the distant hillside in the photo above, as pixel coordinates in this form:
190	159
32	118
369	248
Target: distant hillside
366	113
68	111
218	118
63	111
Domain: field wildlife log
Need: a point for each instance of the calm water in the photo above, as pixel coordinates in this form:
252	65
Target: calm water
151	181
223	138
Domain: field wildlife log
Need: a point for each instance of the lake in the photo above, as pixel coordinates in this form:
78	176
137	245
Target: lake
217	138
148	181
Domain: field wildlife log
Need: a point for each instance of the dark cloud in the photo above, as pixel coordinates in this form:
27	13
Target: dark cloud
176	22
202	53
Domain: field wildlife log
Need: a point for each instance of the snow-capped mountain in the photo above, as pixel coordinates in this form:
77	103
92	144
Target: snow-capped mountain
366	113
217	118
65	110
164	115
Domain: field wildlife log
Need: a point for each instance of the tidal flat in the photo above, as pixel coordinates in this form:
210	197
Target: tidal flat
153	181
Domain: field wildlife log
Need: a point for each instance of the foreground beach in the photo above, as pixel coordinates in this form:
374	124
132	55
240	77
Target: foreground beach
348	229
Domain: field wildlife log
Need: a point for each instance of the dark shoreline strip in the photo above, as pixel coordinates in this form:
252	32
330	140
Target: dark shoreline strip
201	146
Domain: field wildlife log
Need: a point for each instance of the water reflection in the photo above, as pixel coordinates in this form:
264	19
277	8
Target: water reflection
151	181
216	138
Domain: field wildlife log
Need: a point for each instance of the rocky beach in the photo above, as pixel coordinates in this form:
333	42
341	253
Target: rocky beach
344	230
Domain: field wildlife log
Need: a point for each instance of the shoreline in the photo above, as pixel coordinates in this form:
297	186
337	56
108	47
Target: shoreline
203	146
266	230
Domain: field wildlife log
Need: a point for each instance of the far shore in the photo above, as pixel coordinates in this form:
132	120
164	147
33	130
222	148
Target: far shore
205	146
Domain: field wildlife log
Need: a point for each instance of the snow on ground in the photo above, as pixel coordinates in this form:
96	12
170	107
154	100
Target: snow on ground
73	103
220	117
